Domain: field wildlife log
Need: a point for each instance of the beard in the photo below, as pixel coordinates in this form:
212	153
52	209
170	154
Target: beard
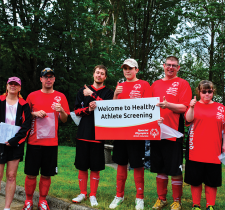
99	83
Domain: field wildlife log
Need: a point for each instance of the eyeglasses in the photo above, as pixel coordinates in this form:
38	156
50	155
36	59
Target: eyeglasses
207	91
171	65
48	77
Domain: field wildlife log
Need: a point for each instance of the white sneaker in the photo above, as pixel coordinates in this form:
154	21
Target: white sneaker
139	204
93	200
116	202
79	198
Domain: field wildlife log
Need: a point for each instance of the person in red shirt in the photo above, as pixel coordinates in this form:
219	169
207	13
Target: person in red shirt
206	120
14	111
90	152
132	151
47	106
166	156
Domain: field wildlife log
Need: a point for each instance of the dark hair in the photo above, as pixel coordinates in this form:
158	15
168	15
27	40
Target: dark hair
205	84
172	58
101	67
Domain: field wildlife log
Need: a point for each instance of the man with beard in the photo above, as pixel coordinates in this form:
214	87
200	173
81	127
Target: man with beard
90	152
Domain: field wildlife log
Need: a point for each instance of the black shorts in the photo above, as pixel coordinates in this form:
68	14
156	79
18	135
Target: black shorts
89	155
132	151
197	173
9	153
166	157
41	157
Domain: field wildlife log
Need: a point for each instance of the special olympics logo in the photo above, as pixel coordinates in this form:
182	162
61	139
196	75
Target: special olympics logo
175	84
57	98
220	108
137	86
154	132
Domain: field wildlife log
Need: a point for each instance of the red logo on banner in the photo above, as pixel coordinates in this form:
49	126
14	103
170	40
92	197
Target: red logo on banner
154	132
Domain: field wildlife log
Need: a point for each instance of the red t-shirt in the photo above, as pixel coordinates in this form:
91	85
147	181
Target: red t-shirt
45	101
205	138
137	89
176	91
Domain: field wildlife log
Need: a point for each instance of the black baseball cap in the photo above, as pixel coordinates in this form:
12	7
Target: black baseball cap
47	70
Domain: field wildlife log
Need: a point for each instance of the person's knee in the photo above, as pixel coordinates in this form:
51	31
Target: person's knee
46	177
177	177
11	177
31	177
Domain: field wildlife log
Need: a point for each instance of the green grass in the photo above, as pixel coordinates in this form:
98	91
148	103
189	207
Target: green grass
65	185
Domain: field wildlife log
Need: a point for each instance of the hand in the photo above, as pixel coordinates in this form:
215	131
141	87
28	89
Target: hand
58	107
92	106
163	104
40	114
160	121
7	143
193	102
223	149
119	89
87	91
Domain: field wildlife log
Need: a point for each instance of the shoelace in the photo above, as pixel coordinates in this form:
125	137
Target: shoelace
93	200
175	204
80	196
116	200
28	206
43	206
158	202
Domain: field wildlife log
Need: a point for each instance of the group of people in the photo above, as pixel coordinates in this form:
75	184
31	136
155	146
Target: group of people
38	117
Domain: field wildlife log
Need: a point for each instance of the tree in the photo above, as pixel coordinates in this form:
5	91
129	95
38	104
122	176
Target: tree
201	37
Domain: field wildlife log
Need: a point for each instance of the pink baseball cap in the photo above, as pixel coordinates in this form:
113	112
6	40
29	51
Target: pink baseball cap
14	79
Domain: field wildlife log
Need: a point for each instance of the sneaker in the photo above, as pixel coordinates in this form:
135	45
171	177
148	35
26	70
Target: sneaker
28	205
176	205
43	205
139	204
210	208
79	198
93	200
159	204
196	207
116	202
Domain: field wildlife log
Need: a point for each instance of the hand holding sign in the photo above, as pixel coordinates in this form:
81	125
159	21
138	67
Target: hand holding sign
87	91
92	106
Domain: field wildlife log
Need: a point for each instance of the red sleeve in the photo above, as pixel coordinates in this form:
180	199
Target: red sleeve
148	90
185	94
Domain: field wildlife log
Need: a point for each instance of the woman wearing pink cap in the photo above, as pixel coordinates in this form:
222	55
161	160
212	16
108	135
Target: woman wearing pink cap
14	111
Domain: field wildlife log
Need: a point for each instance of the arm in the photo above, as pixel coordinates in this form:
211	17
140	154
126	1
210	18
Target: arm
79	108
63	115
190	112
88	92
40	114
177	108
223	146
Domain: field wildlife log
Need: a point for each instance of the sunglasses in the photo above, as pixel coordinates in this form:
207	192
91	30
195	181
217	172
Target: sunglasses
207	91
